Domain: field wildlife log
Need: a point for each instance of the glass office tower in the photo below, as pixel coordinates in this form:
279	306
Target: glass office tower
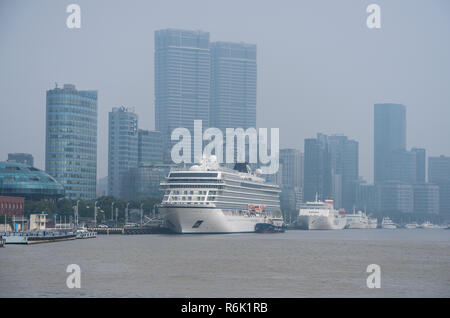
71	140
389	136
233	85
182	81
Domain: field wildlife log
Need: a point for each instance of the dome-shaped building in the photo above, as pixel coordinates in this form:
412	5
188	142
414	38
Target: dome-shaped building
20	180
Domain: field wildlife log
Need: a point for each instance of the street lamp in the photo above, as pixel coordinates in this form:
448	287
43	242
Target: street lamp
76	213
95	213
142	212
126	214
112	211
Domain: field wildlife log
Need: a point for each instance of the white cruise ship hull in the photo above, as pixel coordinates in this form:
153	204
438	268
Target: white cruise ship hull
309	222
190	220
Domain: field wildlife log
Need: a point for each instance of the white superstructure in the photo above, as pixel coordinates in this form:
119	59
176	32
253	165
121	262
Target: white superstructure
413	225
320	215
387	223
358	220
373	223
428	225
207	198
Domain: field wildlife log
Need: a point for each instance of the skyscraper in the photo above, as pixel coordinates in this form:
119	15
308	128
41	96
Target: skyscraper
122	147
344	170
426	198
292	167
71	140
182	81
150	148
402	166
317	169
233	85
439	173
389	136
420	164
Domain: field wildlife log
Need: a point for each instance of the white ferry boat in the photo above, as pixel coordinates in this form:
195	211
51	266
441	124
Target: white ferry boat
412	225
207	198
320	215
373	223
387	223
83	233
428	225
358	220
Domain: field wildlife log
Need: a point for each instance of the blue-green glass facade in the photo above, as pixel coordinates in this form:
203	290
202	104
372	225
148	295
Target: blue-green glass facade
71	140
20	180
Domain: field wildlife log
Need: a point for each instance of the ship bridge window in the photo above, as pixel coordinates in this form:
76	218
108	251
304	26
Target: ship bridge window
178	175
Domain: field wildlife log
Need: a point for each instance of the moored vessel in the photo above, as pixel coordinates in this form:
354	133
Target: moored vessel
83	233
412	225
272	225
373	223
318	215
387	223
208	198
358	220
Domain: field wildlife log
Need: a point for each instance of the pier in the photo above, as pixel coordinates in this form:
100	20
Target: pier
132	230
35	237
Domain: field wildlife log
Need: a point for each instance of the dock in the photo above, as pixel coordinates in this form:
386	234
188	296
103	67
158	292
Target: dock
37	237
132	230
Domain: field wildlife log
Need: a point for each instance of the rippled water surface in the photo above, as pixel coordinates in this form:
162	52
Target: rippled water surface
414	263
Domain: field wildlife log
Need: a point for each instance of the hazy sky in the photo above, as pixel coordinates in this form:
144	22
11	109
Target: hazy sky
320	69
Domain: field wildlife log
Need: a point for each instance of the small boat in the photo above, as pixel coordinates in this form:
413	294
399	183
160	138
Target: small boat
373	223
428	225
413	225
273	225
387	223
83	233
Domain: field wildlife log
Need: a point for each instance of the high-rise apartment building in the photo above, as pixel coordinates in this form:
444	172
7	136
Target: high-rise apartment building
122	147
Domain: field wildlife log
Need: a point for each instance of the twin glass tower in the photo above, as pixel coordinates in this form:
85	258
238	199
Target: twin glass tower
196	79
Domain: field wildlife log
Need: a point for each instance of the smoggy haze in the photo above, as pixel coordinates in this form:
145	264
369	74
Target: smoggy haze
320	69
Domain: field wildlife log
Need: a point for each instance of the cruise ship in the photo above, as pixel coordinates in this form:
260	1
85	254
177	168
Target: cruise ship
208	198
320	215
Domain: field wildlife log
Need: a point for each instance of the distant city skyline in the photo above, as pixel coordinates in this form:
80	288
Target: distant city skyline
327	82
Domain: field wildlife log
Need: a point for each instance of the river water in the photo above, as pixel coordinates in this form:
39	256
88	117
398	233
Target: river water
414	263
